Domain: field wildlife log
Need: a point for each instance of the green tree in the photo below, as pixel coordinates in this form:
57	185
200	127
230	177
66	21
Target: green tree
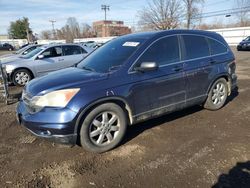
20	29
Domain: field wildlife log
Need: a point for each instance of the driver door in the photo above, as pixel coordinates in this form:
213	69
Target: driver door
158	91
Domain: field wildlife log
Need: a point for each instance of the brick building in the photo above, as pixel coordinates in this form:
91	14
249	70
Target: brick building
110	28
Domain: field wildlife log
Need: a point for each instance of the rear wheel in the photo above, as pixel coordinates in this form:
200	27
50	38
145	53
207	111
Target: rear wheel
103	128
217	95
21	77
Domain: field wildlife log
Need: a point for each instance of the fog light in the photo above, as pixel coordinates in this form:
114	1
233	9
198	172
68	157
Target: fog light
46	133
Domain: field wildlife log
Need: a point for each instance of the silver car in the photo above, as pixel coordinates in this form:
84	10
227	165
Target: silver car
44	60
17	54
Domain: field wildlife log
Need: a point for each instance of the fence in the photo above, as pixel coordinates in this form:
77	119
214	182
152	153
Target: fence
233	35
97	39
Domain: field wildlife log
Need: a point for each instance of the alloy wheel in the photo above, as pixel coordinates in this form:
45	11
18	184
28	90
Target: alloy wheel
104	128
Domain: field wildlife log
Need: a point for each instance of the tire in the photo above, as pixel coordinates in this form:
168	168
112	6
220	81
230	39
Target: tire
10	49
97	136
217	95
21	77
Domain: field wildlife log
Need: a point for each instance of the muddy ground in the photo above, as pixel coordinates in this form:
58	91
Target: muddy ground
190	148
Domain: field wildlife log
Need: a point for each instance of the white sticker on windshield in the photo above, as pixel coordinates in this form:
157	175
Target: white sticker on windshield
131	44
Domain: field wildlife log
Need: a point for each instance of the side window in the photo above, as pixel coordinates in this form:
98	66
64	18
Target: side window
163	52
52	52
216	47
195	47
72	50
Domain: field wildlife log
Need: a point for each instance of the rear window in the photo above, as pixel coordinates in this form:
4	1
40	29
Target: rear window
73	50
216	47
195	47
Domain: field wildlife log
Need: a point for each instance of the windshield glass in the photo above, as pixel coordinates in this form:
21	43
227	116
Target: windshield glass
21	50
112	55
247	39
32	53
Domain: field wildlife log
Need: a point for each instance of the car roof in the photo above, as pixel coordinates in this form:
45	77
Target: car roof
158	34
59	44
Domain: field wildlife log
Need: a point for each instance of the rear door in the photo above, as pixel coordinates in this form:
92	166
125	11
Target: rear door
164	89
197	66
72	54
51	61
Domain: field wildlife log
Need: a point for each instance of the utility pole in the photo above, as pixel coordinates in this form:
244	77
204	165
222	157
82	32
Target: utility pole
105	8
53	27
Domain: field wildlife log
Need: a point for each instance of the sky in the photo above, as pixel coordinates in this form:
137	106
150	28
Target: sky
40	12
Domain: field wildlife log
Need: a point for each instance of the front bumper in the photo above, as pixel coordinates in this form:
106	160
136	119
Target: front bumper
57	125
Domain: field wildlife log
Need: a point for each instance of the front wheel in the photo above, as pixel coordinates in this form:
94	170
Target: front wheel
217	95
21	77
103	128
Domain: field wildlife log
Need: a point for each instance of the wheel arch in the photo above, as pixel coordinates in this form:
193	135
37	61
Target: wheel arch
19	68
226	77
116	100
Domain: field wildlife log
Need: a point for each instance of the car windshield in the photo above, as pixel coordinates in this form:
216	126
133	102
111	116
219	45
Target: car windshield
21	50
247	39
32	53
112	55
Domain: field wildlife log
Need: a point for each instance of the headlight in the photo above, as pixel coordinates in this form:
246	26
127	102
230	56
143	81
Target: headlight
9	68
59	98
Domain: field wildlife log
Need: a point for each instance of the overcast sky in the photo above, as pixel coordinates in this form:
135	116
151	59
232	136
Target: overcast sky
40	12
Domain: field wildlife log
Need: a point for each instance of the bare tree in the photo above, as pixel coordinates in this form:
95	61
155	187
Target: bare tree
160	15
47	34
192	10
243	15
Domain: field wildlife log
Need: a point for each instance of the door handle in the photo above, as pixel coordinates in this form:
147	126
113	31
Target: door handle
177	68
60	59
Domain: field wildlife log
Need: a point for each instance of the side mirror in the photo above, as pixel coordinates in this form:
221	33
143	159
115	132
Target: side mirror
40	56
147	66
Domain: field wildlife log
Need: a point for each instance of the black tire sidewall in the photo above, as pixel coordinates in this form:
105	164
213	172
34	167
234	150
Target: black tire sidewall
17	71
84	131
209	103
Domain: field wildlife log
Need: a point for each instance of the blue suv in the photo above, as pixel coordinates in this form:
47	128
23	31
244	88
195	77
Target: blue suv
130	79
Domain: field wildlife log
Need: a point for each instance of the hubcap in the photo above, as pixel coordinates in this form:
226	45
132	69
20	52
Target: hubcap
22	78
104	128
219	93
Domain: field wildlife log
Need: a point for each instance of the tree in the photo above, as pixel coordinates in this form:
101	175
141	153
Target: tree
20	29
192	10
47	34
70	31
160	15
242	16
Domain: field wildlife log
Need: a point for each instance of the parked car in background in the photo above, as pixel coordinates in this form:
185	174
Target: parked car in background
244	44
17	54
44	60
6	46
130	79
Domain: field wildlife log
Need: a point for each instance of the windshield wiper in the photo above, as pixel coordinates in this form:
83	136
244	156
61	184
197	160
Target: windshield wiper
114	67
88	69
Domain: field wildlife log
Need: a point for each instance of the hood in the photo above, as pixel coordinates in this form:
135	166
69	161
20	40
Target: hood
66	78
8	59
7	55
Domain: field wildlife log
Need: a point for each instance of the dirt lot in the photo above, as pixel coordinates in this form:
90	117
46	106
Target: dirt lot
190	148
